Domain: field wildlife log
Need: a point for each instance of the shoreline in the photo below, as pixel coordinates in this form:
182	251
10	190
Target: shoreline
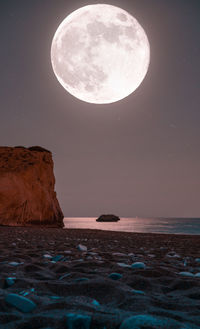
97	230
154	233
90	273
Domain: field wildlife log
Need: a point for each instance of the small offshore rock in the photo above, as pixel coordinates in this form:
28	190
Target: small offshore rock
108	218
139	265
81	247
21	303
115	276
75	321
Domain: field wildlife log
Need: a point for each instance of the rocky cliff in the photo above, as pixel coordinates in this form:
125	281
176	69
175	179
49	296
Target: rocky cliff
27	181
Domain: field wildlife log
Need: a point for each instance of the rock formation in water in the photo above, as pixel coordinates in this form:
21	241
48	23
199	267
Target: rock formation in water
108	218
27	181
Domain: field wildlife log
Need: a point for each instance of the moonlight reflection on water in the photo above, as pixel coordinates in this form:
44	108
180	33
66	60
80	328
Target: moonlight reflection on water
144	225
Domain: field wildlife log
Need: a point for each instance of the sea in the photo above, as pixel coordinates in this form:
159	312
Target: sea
137	224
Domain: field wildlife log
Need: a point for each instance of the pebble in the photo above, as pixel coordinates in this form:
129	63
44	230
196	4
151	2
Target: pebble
115	276
25	293
57	258
14	244
67	252
95	302
81	247
47	256
74	321
189	274
98	257
123	265
149	321
10	281
118	254
64	276
47	328
89	257
197	275
151	255
172	254
138	265
197	260
15	263
21	303
66	259
138	292
185	262
81	279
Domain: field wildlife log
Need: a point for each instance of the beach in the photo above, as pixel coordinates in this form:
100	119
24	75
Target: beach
98	279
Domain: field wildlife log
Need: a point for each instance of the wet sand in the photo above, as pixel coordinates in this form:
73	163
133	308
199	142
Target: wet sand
80	282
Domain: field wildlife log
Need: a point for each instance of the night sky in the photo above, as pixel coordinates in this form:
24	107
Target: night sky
139	156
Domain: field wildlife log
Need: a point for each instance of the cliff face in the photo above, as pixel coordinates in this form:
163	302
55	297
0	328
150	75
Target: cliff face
27	195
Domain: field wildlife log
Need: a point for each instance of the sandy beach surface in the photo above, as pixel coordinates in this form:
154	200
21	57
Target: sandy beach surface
70	278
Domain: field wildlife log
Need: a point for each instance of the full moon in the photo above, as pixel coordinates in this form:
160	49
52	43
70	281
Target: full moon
100	54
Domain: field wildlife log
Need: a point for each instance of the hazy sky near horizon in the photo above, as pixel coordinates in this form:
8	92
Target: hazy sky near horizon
139	156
